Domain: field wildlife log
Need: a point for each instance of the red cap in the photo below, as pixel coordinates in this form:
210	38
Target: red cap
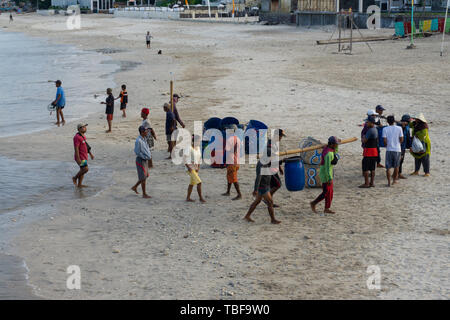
145	110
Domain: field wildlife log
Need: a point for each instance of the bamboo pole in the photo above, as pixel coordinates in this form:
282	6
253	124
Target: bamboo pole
319	146
445	24
171	95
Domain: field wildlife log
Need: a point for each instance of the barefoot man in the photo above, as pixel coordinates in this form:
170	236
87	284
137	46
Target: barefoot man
326	175
262	184
59	102
143	154
192	162
233	147
82	149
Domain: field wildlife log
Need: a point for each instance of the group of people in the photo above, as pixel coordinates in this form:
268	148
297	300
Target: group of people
397	137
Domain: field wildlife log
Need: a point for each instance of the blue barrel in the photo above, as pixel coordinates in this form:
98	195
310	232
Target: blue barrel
294	174
212	123
256	125
380	137
227	122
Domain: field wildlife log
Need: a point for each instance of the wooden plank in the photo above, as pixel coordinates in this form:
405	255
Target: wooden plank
319	146
347	40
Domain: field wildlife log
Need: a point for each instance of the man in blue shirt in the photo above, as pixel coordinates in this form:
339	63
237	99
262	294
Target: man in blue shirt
59	103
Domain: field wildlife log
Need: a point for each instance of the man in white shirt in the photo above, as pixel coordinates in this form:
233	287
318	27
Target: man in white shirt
393	138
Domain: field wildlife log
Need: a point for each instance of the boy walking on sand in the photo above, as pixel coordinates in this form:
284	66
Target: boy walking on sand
233	146
143	154
192	162
327	161
82	149
123	100
109	108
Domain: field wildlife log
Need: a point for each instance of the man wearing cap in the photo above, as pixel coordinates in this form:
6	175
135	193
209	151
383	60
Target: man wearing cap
419	129
176	97
328	159
143	154
171	126
407	141
151	136
393	138
370	153
59	102
82	149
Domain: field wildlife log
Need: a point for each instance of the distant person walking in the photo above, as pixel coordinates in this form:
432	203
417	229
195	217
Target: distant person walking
59	103
328	160
148	38
393	138
82	149
11	18
419	129
109	108
143	154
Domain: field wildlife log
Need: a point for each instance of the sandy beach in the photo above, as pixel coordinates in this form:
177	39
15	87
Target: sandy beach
164	248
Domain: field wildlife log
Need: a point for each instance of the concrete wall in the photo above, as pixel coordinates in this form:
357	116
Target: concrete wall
147	14
274	17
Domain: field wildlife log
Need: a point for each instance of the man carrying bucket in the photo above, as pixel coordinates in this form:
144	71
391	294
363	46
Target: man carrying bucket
327	161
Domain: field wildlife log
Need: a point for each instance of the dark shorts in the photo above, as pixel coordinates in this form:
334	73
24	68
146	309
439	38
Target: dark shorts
392	159
59	107
148	42
369	163
275	181
264	185
142	168
123	106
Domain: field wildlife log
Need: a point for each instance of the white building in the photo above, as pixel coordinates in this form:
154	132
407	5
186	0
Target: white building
94	5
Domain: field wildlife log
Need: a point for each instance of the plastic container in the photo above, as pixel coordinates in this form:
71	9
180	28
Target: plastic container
294	173
253	147
380	137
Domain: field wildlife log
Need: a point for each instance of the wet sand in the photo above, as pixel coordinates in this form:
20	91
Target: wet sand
164	248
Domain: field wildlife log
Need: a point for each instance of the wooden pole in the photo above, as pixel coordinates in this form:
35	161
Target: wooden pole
319	146
171	95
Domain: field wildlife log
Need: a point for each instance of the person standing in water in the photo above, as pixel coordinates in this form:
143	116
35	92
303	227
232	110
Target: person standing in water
82	149
59	103
109	108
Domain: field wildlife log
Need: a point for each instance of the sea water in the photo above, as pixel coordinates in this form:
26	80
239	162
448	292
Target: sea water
26	66
29	189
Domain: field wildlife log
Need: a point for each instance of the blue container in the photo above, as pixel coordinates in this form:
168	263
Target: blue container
227	122
294	174
380	137
212	123
256	125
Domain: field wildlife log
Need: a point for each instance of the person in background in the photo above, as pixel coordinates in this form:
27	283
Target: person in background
233	147
82	149
379	110
407	141
328	160
60	103
148	38
123	100
370	153
192	161
151	136
11	18
393	138
109	108
176	97
419	129
171	126
143	154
